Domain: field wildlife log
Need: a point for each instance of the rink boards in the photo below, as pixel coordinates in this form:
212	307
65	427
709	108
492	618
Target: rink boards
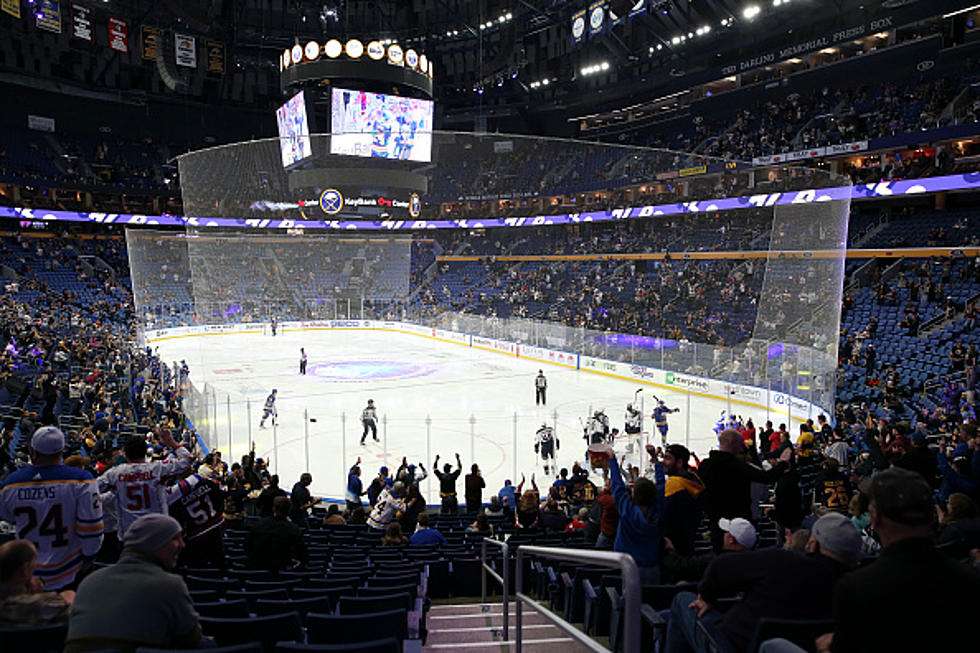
773	402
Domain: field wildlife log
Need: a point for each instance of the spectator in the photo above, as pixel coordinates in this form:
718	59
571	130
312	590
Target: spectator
196	502
378	485
23	601
136	602
608	519
728	479
139	485
638	533
838	448
474	485
354	486
832	487
552	519
301	500
507	495
268	495
274	543
909	568
393	536
682	505
70	501
481	526
959	526
426	536
739	535
957	472
578	521
447	485
389	507
333	517
773	583
527	509
414	506
919	458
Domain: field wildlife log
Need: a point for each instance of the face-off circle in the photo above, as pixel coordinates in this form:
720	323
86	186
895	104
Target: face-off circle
369	370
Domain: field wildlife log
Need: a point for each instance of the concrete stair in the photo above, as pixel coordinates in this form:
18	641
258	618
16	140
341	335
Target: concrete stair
479	627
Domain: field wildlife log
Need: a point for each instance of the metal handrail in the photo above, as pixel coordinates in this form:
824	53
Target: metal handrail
631	593
504	580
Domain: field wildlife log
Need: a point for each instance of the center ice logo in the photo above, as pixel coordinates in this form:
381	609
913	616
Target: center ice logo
368	370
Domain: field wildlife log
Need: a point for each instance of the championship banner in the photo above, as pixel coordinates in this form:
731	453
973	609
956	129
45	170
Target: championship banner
597	17
185	49
81	22
118	34
216	57
150	38
47	15
578	26
11	7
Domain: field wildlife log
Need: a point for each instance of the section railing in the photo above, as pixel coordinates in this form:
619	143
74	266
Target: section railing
631	593
503	578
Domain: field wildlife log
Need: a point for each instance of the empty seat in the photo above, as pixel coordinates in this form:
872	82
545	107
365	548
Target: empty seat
322	604
389	645
235	608
356	629
357	605
264	630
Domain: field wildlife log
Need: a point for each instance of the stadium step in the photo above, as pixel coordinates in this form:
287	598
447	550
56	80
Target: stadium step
479	627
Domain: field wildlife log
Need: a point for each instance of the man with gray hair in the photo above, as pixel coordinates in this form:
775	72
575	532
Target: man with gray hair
137	601
390	506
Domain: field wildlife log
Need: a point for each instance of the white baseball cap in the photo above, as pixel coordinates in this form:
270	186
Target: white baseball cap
48	440
741	529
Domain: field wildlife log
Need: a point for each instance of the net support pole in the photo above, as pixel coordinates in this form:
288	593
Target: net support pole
275	444
472	439
343	442
228	412
306	437
384	425
428	455
687	422
248	418
515	447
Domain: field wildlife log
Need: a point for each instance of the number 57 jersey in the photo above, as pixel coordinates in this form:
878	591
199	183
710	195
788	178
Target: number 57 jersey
139	487
58	508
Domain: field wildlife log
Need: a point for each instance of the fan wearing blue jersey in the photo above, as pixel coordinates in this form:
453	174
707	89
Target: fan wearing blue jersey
56	507
269	410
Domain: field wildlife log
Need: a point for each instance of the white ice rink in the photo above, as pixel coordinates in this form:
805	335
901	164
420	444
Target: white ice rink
472	398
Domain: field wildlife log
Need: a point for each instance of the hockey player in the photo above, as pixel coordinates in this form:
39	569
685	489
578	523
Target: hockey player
720	424
274	325
546	444
138	484
302	361
269	409
56	507
369	418
540	389
633	420
660	418
597	428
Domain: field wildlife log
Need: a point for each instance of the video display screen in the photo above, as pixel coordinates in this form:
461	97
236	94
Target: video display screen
294	131
380	126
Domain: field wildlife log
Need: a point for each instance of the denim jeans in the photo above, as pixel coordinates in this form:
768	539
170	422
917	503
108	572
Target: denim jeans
683	633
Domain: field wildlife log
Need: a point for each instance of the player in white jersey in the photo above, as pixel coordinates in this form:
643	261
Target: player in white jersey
545	444
390	503
56	507
634	420
138	484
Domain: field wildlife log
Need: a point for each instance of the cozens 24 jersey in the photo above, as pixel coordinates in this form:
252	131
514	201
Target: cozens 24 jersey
139	487
58	508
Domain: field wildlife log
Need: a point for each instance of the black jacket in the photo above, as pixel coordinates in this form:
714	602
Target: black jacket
774	583
869	604
274	543
727	482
